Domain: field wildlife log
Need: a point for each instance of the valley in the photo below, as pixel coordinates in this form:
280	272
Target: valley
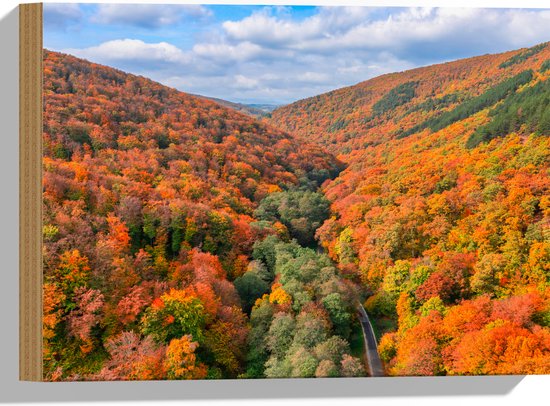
185	240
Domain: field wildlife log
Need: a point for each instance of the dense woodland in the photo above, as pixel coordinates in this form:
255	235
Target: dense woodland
152	202
185	240
442	215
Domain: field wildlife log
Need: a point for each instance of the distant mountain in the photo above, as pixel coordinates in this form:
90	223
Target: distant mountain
254	110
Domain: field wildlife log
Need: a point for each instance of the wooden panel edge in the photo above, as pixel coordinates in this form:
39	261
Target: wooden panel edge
30	192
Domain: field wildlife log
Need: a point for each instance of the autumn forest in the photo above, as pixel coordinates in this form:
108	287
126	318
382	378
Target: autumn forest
183	239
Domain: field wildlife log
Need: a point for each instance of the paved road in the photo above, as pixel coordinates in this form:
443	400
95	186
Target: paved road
374	363
371	346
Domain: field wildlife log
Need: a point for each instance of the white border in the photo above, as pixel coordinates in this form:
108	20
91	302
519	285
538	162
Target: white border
472	391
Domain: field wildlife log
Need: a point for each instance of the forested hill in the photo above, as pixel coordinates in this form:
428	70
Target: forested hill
443	212
397	105
180	236
92	108
159	211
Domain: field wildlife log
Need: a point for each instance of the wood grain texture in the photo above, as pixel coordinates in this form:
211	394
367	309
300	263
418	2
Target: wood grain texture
30	192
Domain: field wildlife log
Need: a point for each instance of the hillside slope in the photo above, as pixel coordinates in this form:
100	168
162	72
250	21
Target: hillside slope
149	201
443	212
350	119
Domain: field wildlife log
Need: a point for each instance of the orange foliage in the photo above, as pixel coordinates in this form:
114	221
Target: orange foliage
502	348
278	295
476	218
181	361
149	190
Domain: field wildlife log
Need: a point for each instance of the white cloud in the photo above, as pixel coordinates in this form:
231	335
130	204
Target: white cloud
265	27
336	29
196	10
271	56
147	15
224	52
243	82
314	77
132	50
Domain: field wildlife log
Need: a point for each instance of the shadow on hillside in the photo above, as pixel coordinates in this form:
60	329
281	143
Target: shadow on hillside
15	391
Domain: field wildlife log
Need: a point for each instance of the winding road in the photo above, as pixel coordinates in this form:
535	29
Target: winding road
374	363
371	346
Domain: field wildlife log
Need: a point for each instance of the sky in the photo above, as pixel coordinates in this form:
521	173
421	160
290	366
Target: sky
275	54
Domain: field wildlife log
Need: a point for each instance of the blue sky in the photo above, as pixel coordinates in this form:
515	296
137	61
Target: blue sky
273	54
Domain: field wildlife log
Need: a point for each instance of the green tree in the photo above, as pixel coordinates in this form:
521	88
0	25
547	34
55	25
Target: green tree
250	287
339	314
310	330
304	364
302	212
331	349
280	334
265	251
174	315
258	352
